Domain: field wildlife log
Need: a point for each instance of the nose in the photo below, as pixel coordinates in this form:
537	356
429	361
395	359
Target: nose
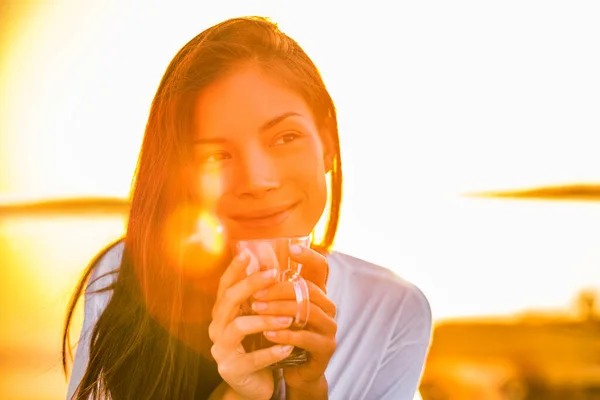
257	176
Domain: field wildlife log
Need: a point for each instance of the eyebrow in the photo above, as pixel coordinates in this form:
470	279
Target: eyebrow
264	127
209	141
274	121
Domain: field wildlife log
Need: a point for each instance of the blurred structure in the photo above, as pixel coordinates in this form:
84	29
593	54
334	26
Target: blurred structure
534	356
537	355
572	192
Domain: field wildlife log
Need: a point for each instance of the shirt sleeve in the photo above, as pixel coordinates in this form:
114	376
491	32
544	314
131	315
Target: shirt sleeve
94	306
402	366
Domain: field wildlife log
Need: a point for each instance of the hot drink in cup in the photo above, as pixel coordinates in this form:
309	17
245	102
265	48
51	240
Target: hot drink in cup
274	253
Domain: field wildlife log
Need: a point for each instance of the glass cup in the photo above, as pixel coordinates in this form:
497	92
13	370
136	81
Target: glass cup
274	253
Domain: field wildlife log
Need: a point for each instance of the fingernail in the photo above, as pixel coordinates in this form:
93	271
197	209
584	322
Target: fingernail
270	273
270	334
253	264
259	306
295	249
286	348
252	268
284	320
241	256
260	294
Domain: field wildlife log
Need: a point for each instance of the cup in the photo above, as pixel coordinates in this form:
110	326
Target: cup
274	253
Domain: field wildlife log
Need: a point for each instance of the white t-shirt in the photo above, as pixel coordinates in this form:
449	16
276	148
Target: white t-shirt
384	329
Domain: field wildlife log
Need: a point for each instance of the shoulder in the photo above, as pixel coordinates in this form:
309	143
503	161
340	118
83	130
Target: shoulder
384	330
105	268
373	278
380	290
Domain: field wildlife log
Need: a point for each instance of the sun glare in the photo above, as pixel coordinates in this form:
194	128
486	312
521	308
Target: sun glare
209	233
432	102
75	105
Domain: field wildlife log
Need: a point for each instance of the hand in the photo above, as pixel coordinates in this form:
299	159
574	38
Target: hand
318	337
245	373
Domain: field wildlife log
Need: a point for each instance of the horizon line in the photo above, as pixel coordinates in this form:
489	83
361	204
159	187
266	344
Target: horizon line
565	192
77	205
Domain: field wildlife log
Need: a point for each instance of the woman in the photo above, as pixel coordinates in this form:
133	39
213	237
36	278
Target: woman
241	142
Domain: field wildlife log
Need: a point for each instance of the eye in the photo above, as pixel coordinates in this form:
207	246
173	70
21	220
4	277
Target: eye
286	138
215	157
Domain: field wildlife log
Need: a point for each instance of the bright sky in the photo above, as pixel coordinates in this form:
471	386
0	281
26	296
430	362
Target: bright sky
459	96
433	100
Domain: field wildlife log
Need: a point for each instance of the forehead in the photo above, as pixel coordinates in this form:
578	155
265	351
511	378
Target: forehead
242	102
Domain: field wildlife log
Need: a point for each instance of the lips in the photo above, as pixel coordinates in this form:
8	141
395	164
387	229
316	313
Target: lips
265	217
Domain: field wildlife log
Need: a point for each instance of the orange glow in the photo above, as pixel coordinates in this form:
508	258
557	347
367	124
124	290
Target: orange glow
209	234
200	251
42	258
211	186
422	116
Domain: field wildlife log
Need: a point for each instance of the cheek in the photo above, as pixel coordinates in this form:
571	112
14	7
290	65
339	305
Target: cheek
212	187
321	193
209	191
314	185
208	188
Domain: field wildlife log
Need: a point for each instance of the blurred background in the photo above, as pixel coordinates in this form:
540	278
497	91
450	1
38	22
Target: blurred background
436	100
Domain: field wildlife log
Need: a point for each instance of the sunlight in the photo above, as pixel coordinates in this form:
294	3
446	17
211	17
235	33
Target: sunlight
55	236
90	101
209	233
431	103
91	104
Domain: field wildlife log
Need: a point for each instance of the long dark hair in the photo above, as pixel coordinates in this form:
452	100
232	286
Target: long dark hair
131	354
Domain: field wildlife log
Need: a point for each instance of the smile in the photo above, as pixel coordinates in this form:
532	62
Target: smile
265	218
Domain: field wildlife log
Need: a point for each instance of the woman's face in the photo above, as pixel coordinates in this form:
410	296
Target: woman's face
259	162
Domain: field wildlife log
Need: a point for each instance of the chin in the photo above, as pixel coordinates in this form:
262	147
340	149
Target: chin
266	233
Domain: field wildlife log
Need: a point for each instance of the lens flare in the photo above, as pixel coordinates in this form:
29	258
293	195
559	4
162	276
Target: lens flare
209	233
195	242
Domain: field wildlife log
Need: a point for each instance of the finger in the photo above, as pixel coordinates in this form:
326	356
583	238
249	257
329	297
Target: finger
245	364
228	306
243	290
314	265
246	325
234	272
318	320
266	256
285	291
321	347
